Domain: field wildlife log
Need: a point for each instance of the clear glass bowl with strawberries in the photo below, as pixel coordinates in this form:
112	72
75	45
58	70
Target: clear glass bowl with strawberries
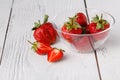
83	30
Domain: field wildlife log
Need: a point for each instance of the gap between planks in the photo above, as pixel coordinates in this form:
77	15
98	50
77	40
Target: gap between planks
92	43
6	32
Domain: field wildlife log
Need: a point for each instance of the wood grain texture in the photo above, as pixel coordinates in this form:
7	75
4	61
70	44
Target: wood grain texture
109	55
21	63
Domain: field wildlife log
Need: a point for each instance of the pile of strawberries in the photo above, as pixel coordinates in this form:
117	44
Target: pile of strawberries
78	25
45	35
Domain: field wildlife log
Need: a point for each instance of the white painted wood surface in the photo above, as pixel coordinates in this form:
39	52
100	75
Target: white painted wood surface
5	7
4	17
21	63
109	61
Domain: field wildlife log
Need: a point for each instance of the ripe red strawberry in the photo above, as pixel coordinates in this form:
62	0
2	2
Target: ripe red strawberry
98	25
55	55
71	27
45	33
40	48
81	19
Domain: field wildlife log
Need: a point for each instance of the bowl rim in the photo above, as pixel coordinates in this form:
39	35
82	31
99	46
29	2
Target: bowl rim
102	11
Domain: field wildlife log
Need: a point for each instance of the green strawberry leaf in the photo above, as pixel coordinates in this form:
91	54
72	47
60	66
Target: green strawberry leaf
36	25
99	26
76	25
95	19
100	21
68	25
34	45
72	24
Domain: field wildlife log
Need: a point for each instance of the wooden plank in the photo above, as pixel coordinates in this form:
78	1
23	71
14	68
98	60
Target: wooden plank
53	7
21	63
4	18
109	55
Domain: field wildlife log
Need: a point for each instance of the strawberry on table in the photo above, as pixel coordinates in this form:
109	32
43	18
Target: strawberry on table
45	32
55	55
40	48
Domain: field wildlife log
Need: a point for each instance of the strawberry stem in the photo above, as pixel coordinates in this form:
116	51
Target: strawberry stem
101	16
62	50
31	42
45	18
34	45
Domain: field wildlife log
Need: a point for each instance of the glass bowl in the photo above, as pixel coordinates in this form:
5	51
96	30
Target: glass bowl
82	42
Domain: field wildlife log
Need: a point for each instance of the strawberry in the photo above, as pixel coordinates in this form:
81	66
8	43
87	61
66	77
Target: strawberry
69	28
40	48
45	33
98	25
55	55
81	19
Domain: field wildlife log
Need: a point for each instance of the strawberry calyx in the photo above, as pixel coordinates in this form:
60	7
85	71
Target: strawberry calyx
34	45
72	24
100	22
38	24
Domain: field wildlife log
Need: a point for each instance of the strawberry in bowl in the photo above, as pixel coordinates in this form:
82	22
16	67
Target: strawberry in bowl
97	25
72	30
81	19
71	27
78	34
75	25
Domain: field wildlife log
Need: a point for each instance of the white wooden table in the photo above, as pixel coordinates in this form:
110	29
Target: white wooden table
19	62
